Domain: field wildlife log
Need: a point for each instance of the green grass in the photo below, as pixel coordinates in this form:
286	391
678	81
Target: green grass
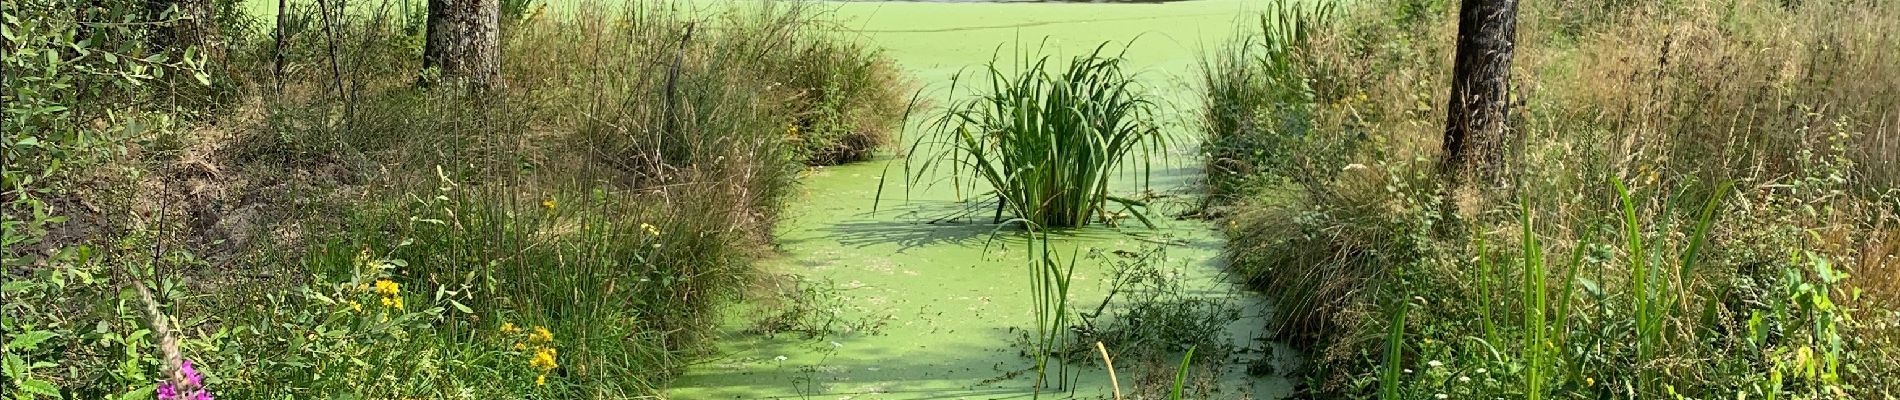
1536	300
1691	223
1181	374
1049	283
1259	91
1049	143
1393	357
616	192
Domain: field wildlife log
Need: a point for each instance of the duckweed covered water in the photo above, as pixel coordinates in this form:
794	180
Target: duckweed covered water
950	299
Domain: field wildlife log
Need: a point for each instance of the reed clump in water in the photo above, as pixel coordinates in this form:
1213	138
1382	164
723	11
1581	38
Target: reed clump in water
1049	143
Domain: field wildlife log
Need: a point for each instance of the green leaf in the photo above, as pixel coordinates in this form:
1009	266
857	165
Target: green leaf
40	387
14	367
1180	375
147	392
29	340
459	307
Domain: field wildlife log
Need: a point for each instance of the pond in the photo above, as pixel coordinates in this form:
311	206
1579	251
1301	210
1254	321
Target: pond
947	301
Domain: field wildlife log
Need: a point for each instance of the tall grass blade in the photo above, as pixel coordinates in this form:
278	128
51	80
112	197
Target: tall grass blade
1394	339
1487	288
1647	330
1180	374
1536	331
1699	237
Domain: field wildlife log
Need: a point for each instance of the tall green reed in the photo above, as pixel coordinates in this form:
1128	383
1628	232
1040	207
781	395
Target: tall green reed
1181	373
1536	329
1049	282
1652	295
1049	144
1389	368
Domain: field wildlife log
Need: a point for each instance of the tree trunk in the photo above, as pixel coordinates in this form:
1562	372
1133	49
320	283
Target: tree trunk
1475	128
464	41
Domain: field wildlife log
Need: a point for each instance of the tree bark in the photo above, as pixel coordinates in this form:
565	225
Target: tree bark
1475	127
464	41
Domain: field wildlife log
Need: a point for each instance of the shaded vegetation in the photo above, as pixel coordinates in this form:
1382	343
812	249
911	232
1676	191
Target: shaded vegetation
335	229
1617	262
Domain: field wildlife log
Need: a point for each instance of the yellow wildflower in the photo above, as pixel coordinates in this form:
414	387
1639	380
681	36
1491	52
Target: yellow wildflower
1589	381
509	327
520	346
548	204
651	230
544	359
355	306
541	335
541	380
398	303
387	287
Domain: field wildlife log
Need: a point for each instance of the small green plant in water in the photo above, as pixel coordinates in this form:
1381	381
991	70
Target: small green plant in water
1048	144
1049	288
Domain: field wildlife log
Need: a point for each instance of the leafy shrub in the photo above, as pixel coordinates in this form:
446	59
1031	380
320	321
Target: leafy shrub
1155	315
76	95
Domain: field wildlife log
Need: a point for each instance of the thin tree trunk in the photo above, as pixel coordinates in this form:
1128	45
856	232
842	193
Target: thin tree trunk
277	39
336	69
1475	126
464	41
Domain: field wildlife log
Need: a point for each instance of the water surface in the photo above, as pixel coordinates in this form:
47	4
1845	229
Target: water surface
953	295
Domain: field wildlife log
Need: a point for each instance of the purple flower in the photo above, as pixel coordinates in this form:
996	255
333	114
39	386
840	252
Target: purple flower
193	382
191	375
167	392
